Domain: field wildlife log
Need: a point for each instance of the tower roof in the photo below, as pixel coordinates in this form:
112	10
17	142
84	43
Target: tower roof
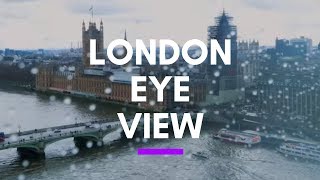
224	18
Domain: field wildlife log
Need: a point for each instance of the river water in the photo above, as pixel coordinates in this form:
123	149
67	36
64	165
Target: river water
119	160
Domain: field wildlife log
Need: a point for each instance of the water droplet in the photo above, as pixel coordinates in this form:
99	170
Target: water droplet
67	100
92	107
52	98
75	150
89	144
254	92
109	156
25	163
152	102
108	90
34	70
69	77
21	177
111	78
217	73
21	65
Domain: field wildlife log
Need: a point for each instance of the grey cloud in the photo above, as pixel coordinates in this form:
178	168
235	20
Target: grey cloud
101	8
11	15
17	1
265	4
289	6
137	20
304	25
140	21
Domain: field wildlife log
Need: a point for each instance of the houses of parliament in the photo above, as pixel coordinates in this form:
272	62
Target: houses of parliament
85	80
107	83
208	85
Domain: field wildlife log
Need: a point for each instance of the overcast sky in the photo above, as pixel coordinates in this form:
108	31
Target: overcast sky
28	24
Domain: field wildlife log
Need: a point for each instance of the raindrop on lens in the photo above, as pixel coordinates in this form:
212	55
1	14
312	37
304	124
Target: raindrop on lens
21	65
89	144
111	78
92	107
25	163
69	77
152	103
109	156
108	90
137	140
34	70
67	100
216	73
21	177
254	92
52	98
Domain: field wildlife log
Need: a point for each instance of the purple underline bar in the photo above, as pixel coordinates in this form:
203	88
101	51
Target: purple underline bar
160	151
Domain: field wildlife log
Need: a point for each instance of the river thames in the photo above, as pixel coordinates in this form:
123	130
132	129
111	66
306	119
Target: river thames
26	110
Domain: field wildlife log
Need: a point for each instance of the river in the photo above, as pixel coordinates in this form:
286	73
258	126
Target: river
26	110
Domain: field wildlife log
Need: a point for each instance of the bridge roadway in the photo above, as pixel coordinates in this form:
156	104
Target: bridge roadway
33	142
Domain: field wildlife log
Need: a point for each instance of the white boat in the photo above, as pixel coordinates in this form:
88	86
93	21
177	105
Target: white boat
306	151
238	137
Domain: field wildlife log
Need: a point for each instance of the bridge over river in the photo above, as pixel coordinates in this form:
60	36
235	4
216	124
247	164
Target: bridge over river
34	142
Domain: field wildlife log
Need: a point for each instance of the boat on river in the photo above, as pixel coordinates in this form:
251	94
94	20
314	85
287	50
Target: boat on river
306	151
238	137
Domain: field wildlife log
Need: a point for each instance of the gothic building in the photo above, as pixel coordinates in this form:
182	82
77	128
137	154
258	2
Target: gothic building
222	30
91	33
112	85
223	81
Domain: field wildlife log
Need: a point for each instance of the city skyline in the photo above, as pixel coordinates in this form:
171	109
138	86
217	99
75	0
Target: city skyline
52	24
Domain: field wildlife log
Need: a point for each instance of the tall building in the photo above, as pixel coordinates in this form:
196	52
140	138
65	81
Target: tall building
293	47
91	33
302	45
249	60
296	95
222	30
223	81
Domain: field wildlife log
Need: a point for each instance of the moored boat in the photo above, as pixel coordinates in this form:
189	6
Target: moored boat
306	151
238	137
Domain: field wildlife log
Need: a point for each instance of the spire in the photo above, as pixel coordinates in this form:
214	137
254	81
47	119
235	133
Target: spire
224	14
125	35
83	26
101	25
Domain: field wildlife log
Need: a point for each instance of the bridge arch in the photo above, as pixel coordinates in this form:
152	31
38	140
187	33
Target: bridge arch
31	150
36	145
